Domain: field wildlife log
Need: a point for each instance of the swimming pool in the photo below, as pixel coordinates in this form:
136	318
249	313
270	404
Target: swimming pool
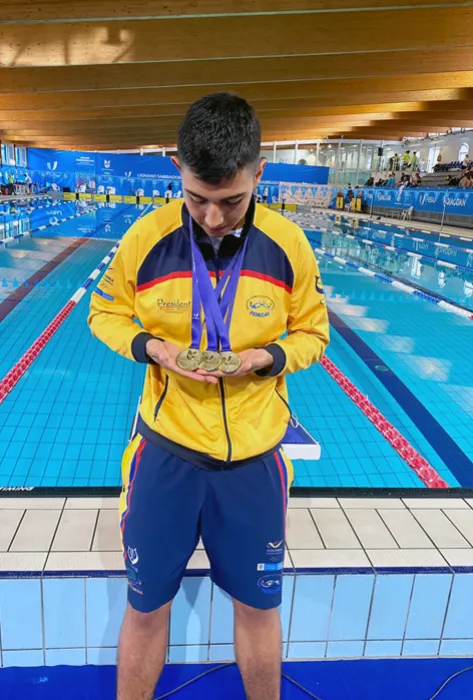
67	421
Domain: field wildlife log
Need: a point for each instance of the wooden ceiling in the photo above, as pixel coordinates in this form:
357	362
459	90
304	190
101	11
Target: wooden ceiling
114	74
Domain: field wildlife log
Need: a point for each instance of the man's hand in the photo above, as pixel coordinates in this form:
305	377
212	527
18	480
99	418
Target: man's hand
165	355
251	361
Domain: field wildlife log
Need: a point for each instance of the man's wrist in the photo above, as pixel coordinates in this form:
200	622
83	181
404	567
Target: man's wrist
278	363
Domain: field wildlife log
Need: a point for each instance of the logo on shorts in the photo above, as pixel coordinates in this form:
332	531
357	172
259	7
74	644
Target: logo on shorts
270	567
133	556
133	581
275	551
270	584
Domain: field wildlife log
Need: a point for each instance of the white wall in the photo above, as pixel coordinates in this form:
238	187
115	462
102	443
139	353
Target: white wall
449	146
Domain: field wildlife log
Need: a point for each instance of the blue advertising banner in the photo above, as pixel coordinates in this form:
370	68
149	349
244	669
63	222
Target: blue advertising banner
150	176
429	200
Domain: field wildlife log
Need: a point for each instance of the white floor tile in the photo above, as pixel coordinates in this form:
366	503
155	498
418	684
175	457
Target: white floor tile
463	520
440	529
30	502
435	503
301	531
9	521
75	531
107	534
199	560
335	529
370	529
36	531
325	558
405	529
85	561
22	561
405	557
313	502
367	503
458	557
92	503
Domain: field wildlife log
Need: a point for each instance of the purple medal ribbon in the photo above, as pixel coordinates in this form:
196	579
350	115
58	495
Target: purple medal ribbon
218	314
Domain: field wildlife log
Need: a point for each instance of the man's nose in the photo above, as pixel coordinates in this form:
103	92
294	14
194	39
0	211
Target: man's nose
213	216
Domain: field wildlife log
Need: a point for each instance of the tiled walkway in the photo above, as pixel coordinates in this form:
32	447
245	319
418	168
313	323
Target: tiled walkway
82	534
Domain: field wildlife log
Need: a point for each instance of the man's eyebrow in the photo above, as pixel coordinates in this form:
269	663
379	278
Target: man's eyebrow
232	196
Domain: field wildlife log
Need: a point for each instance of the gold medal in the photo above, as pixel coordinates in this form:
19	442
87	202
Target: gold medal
189	360
210	361
231	362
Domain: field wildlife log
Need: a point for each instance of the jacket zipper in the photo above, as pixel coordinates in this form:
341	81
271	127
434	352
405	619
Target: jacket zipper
161	398
222	390
225	421
285	403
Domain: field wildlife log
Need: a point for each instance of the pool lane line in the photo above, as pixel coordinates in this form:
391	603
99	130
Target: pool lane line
418	464
18	370
26	287
410	253
12	377
10	239
430	232
457	461
409	289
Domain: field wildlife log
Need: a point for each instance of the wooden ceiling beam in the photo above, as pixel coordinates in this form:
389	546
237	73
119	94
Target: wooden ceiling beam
63	43
272	109
43	10
408	88
147	124
236	71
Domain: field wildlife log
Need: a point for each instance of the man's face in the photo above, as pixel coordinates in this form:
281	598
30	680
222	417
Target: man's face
220	208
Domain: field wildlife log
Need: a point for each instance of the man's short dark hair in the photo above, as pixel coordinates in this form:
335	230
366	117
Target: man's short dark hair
219	136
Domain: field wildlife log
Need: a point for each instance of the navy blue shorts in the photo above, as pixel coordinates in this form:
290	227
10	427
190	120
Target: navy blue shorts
167	504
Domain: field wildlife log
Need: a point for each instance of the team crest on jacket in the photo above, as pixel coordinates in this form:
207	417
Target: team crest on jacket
260	306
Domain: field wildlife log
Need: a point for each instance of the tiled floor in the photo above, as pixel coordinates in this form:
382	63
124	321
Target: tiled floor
82	534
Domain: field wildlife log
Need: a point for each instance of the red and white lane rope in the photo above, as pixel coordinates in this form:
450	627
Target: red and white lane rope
56	222
416	462
19	369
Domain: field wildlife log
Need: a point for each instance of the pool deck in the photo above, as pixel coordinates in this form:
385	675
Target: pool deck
43	534
427	227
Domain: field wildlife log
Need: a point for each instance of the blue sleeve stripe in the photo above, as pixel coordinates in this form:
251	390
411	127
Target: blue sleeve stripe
104	295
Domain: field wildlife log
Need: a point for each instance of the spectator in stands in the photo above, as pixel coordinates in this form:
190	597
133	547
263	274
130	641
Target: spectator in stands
391	163
453	181
404	181
415	162
391	181
415	180
369	182
406	160
349	195
438	165
467	162
396	162
466	181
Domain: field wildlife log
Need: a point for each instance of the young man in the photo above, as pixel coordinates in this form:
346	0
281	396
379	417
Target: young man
206	460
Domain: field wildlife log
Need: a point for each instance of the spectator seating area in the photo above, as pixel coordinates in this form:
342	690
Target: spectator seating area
439	179
445	167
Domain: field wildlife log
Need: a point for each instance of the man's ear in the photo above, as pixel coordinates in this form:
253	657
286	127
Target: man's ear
260	170
176	162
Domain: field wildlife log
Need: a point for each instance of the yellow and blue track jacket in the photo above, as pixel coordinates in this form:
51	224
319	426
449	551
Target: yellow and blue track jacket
279	305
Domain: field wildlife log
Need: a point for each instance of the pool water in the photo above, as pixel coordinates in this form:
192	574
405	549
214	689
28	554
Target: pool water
67	421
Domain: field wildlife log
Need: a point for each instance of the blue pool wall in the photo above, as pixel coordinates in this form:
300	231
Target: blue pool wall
54	619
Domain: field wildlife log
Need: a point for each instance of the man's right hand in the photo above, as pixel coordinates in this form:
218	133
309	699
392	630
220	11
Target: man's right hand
165	354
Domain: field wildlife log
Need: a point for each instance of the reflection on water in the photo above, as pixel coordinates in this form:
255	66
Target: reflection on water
445	269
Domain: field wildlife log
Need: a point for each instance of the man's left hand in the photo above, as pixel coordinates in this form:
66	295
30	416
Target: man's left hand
251	361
